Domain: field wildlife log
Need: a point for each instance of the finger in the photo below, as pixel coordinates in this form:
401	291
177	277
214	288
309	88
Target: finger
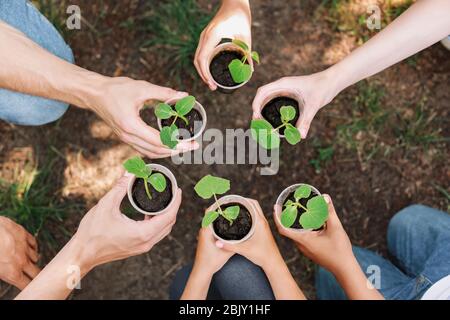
31	270
203	60
162	93
32	254
158	223
196	58
116	194
258	208
148	154
226	246
333	220
157	150
164	233
261	95
276	216
32	241
185	146
304	122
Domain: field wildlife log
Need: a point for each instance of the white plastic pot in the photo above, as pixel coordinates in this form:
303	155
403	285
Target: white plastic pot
168	174
288	93
283	197
238	200
227	46
199	108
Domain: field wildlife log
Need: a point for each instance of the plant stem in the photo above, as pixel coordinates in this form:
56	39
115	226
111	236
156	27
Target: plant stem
146	189
184	119
301	206
279	127
174	119
220	210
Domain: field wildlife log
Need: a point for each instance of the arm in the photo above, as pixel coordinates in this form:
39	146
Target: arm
263	251
234	21
28	68
423	24
208	260
331	248
104	235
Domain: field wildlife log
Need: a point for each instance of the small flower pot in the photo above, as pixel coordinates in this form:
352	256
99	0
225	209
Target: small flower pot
218	71
243	227
277	99
288	194
160	202
193	129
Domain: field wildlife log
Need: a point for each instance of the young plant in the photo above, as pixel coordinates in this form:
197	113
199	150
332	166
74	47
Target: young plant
316	210
239	69
164	111
268	137
210	186
137	167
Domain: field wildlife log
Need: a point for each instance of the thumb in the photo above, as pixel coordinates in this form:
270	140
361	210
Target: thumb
333	220
304	122
225	246
119	190
163	93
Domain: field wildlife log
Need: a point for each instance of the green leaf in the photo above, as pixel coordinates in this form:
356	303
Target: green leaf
185	105
292	134
241	44
158	181
169	135
164	111
288	216
302	192
262	132
316	215
231	212
240	72
137	167
210	185
209	218
255	56
287	113
289	203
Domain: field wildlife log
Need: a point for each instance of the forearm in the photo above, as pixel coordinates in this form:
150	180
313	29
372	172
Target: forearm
423	24
28	68
197	286
57	279
355	284
283	284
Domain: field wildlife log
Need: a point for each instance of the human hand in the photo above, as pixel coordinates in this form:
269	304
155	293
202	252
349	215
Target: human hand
18	254
261	247
316	90
209	258
331	248
118	103
233	21
105	234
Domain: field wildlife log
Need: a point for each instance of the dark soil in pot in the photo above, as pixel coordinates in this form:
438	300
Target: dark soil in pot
159	201
271	111
240	227
303	202
219	67
193	116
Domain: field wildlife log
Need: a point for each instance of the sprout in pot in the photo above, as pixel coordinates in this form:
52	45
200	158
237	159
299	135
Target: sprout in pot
151	191
268	136
304	209
231	221
230	67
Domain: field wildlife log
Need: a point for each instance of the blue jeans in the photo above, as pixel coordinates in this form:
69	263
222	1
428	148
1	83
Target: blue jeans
239	279
418	239
24	109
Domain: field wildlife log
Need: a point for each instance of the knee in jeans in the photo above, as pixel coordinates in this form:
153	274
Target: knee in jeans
406	216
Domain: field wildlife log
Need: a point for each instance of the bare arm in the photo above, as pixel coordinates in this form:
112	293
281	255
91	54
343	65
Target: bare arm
28	68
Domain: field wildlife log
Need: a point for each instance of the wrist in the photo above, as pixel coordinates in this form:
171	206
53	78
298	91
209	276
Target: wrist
275	264
201	273
348	267
77	253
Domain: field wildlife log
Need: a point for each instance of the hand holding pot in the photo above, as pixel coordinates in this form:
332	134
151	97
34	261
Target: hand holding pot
18	254
118	103
331	248
209	258
261	247
105	234
233	21
316	91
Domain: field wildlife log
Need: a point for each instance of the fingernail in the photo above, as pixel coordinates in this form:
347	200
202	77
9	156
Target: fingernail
219	244
327	199
127	174
304	132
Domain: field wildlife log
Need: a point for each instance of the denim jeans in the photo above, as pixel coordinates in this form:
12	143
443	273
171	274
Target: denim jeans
418	240
239	279
24	109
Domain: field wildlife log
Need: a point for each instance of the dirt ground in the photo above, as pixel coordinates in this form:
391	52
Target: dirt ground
366	193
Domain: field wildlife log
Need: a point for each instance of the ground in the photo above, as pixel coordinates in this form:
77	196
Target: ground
379	146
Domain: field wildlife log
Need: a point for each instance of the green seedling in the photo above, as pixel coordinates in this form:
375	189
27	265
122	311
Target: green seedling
210	186
239	69
267	136
138	167
315	213
164	111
